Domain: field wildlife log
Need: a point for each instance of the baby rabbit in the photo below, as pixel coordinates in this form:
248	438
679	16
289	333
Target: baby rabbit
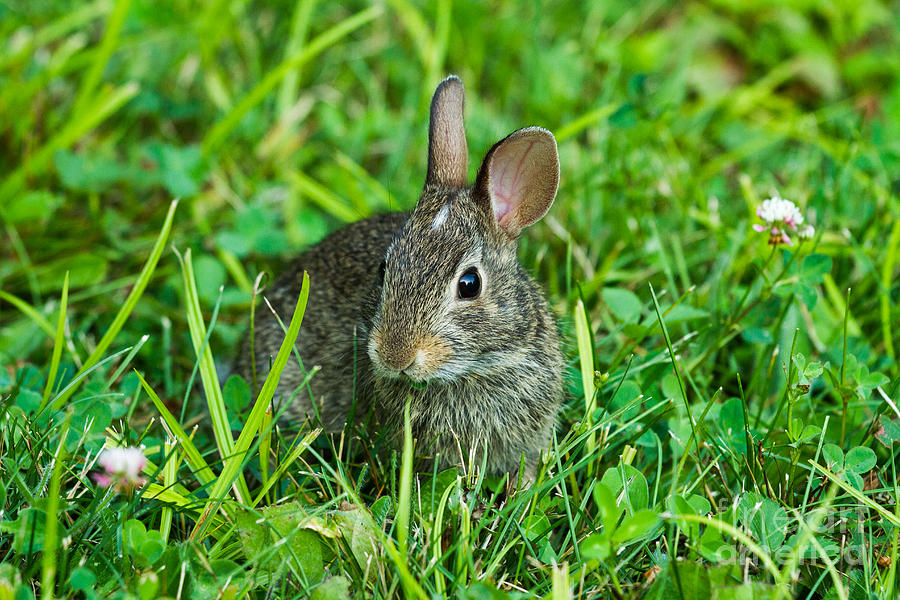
433	305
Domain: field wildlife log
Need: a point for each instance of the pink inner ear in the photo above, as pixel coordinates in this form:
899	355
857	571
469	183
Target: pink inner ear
509	176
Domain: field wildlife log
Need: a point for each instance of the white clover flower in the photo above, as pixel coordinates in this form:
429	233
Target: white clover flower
121	467
780	216
777	209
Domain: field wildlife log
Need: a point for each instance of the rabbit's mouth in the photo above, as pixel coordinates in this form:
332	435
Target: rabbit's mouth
416	384
416	375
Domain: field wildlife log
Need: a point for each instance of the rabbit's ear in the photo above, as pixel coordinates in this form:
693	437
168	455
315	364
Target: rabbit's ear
519	177
448	156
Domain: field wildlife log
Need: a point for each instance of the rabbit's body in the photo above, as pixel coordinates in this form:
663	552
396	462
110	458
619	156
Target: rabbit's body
344	267
435	307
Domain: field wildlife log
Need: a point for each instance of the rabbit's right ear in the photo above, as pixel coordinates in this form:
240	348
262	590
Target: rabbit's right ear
448	155
518	179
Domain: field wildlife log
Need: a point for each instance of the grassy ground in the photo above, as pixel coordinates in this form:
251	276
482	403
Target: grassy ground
732	412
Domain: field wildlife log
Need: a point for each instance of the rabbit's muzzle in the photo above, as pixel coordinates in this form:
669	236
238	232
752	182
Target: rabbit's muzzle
419	358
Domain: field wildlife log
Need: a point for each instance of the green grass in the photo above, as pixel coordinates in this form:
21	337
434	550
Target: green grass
731	418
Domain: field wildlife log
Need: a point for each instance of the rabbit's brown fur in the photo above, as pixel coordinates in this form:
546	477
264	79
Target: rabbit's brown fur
384	309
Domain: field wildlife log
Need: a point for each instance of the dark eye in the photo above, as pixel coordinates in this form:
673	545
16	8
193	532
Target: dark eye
381	269
469	284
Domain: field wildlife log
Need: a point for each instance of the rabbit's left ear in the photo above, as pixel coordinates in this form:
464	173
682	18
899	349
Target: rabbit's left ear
519	177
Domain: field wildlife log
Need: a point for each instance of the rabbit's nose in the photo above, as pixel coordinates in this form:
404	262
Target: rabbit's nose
393	354
397	359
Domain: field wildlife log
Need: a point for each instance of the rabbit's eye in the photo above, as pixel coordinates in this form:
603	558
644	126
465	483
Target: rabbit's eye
469	284
381	269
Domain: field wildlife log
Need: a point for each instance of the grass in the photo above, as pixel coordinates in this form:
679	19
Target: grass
731	422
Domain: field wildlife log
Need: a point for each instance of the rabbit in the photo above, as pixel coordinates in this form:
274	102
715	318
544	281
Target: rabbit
433	306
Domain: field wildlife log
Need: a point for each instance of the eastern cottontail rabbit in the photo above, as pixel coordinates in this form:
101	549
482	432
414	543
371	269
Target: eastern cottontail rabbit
433	305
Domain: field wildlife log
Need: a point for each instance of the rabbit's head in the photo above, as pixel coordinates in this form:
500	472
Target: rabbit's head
452	299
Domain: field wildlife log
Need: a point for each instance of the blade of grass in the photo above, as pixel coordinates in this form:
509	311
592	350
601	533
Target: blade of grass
375	194
104	288
687	406
410	584
216	21
436	534
22	255
586	361
844	394
734	532
292	456
856	494
213	319
895	542
64	59
128	306
77	17
836	299
169	383
77	127
300	20
748	439
169	471
404	498
55	404
807	533
195	460
233	463
265	446
416	26
436	53
464	549
154	491
584	121
325	198
58	343
235	269
256	293
29	311
560	582
107	45
218	415
785	396
127	361
224	127
887	273
51	543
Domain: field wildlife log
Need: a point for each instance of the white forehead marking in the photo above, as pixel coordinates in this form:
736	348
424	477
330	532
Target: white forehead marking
441	217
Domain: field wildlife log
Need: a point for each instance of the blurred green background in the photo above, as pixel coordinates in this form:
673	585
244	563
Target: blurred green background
275	122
